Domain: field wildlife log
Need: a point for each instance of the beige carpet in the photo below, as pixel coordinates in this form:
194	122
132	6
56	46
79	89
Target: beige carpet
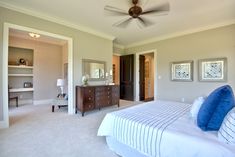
37	132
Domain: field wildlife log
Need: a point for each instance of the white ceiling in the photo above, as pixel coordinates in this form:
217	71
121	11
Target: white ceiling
42	38
184	16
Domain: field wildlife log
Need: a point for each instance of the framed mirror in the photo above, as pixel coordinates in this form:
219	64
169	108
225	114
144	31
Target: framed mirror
95	69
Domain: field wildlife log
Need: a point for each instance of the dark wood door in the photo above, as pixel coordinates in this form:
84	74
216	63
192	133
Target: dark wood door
127	77
142	77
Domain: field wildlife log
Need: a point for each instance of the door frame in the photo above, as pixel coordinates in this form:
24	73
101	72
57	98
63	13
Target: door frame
137	76
7	26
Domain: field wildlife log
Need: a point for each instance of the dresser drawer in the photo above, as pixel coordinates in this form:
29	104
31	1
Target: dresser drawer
100	94
115	89
88	99
105	103
109	88
88	96
89	91
88	106
100	89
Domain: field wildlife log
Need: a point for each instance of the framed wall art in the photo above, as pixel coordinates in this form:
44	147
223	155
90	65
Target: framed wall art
182	71
213	70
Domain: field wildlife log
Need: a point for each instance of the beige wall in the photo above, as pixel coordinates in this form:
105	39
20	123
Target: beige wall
47	66
84	45
213	43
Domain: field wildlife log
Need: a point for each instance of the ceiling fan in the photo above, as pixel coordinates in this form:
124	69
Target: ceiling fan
136	12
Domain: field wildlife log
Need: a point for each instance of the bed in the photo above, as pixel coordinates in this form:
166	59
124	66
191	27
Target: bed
160	129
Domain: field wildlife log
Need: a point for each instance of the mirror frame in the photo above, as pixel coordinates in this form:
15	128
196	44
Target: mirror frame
93	61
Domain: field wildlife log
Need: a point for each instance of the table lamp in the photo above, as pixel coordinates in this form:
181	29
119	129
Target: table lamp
61	83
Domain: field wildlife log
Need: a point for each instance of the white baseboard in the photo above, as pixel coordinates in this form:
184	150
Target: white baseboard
26	101
30	101
42	102
3	124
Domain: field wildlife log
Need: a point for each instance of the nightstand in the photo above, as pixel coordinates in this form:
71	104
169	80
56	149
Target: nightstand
60	102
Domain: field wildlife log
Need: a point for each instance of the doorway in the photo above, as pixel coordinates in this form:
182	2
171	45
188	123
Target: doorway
7	27
127	77
146	75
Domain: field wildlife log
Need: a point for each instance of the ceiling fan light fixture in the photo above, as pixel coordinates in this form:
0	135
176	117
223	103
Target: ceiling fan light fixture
34	35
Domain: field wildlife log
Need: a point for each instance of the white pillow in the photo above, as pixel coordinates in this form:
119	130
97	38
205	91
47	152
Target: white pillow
196	107
226	132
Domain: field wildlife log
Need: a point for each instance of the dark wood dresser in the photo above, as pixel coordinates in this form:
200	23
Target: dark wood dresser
95	97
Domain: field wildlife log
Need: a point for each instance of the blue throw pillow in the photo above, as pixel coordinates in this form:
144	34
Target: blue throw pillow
215	108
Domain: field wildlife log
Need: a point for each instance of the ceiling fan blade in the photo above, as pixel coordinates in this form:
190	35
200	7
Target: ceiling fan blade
115	10
158	10
123	23
143	22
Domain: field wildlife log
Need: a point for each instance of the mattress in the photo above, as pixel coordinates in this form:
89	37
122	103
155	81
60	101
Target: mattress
162	129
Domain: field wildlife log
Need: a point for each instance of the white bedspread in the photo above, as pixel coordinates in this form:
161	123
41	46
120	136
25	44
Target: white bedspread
163	129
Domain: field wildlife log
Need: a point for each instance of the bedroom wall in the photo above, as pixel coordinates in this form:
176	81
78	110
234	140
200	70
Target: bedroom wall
47	60
85	45
212	43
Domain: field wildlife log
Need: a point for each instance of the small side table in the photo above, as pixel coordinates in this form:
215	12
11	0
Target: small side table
60	102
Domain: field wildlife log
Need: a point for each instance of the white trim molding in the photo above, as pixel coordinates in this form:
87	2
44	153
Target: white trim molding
71	90
56	20
5	122
178	34
117	54
118	46
137	76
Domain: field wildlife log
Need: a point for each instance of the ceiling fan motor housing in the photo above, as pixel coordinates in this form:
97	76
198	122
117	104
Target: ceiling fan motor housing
135	11
135	2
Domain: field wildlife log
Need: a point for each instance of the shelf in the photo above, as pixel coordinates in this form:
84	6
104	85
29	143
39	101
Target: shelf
12	90
20	75
20	66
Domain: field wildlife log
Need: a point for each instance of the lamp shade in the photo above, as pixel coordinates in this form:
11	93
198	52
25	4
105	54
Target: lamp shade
60	82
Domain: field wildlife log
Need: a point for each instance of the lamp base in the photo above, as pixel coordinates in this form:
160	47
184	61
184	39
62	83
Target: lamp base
60	95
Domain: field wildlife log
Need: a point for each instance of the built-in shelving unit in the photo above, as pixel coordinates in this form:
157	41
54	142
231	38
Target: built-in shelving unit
13	90
20	66
20	74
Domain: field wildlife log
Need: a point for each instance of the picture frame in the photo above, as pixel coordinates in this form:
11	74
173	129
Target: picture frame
213	70
182	71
